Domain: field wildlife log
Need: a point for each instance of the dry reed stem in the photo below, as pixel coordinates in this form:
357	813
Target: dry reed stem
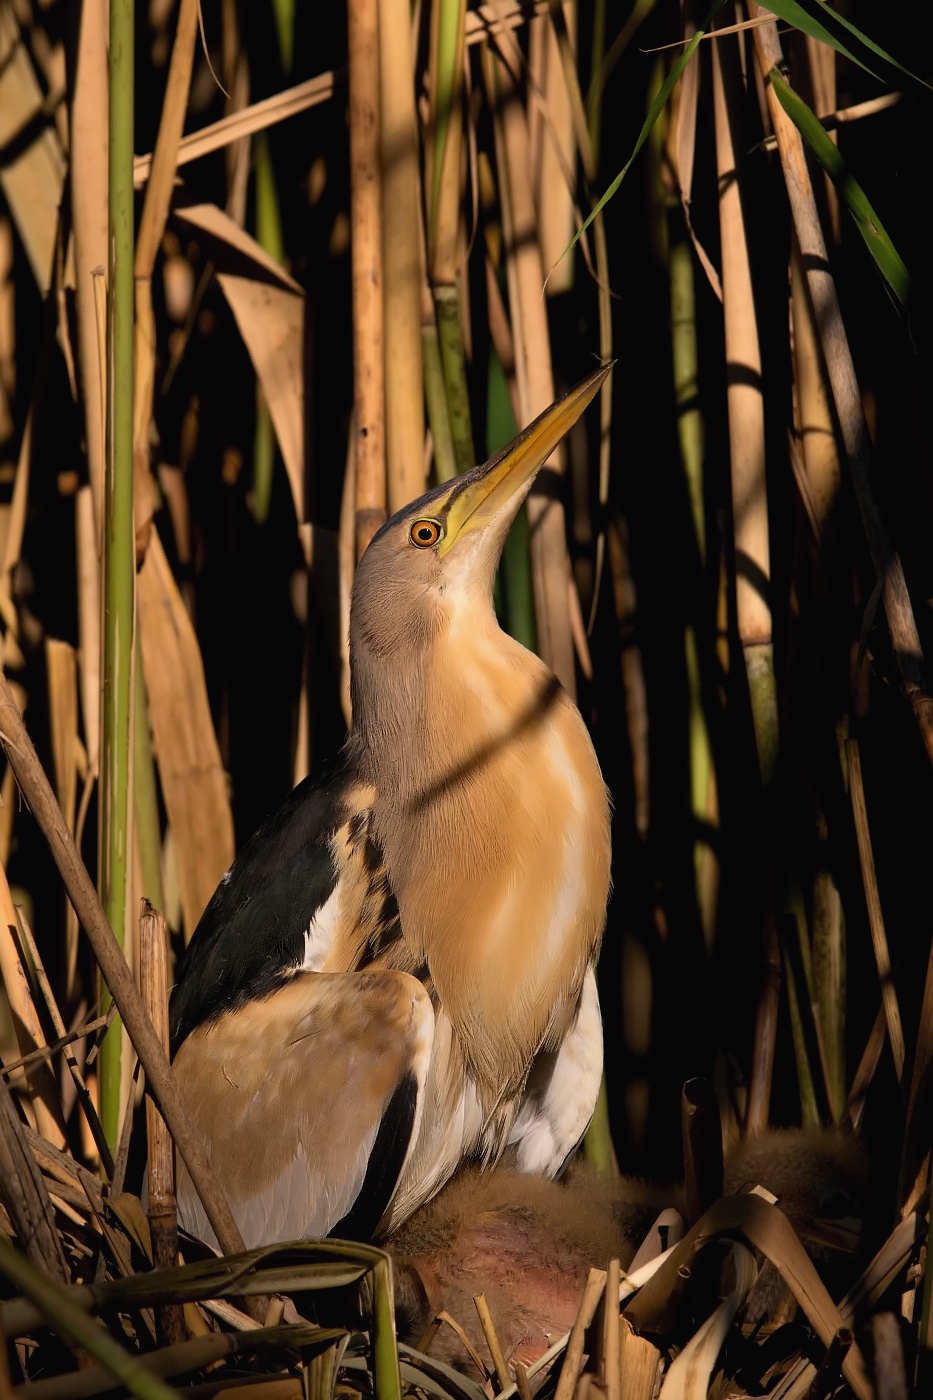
404	391
889	1368
610	1362
492	1341
40	1081
873	903
163	1222
552	148
744	392
920	1100
822	476
38	794
443	179
822	63
88	587
766	1019
149	236
573	1356
865	1072
577	115
549	561
845	391
61	668
633	671
88	188
366	267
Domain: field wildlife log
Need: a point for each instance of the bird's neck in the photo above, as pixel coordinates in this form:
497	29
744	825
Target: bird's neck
443	705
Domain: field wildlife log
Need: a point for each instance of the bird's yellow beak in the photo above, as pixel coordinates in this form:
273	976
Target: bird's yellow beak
481	496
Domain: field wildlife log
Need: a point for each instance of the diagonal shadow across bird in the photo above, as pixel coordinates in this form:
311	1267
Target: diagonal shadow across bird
396	974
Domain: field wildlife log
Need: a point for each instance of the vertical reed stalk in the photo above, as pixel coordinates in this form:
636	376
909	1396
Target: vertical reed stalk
746	432
401	257
366	264
549	560
163	1223
118	536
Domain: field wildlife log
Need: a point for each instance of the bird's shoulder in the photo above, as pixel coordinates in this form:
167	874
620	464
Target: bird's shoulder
254	928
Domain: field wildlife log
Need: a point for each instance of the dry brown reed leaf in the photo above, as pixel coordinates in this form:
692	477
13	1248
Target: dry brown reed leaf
42	1091
837	357
401	206
691	1371
238	125
764	1227
269	309
366	269
550	565
32	172
191	772
640	1367
25	1196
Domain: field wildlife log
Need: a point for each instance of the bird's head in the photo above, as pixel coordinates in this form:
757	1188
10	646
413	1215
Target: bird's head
436	558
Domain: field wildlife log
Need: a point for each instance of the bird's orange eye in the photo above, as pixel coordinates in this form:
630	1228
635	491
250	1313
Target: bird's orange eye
424	533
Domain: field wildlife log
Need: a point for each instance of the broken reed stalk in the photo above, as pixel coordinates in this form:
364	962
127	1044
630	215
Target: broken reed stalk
366	269
573	1356
401	258
492	1341
41	800
116	820
846	394
163	1221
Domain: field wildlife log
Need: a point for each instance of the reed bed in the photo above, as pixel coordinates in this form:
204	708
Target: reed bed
359	257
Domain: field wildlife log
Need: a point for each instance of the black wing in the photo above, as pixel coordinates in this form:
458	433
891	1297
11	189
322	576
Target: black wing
253	929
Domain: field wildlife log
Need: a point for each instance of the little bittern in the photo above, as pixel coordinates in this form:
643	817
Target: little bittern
396	975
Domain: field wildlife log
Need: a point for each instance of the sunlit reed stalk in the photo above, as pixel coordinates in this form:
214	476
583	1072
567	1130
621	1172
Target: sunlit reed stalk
746	429
401	257
118	532
366	268
528	313
443	179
